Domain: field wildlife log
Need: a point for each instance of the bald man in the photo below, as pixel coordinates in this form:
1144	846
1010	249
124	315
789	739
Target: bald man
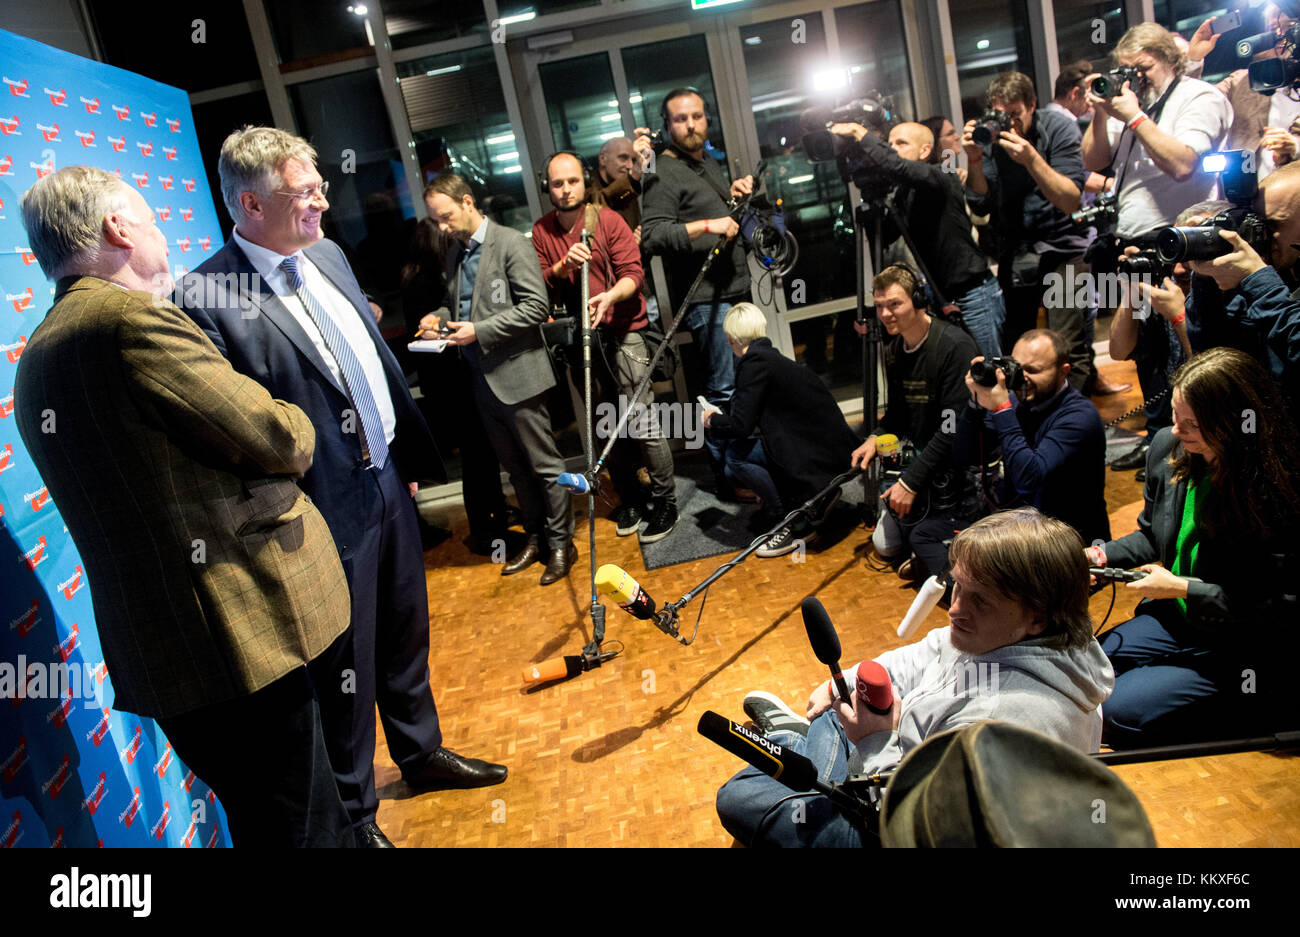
619	165
932	204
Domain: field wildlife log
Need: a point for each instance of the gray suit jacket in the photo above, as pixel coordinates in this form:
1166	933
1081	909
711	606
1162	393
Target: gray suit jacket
508	305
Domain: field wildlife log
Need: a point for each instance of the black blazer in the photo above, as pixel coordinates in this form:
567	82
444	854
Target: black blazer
1248	588
263	340
804	433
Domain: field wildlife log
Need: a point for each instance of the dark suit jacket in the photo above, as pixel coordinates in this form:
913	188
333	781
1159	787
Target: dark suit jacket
210	572
262	339
1243	595
508	305
804	433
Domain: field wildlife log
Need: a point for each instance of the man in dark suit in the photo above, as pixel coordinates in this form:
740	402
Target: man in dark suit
284	307
214	578
498	300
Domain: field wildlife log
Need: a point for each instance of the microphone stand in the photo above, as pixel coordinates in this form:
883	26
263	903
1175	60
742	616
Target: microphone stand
591	656
1279	742
666	619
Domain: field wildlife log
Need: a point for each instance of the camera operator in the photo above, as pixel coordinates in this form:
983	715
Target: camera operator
925	360
1154	133
684	208
1261	123
1030	175
930	200
1052	441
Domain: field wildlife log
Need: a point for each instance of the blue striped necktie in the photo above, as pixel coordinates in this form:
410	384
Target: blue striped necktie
373	444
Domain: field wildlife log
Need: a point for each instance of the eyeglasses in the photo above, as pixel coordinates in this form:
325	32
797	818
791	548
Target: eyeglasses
307	194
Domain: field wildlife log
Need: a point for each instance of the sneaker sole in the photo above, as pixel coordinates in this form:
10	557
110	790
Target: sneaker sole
777	702
655	538
628	531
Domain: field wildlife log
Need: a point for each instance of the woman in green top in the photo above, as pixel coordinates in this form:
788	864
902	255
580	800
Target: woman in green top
1198	661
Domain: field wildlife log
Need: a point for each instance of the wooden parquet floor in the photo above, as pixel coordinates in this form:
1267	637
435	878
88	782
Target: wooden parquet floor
612	757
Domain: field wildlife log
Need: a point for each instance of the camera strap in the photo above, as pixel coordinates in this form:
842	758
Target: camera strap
1153	115
723	194
892	207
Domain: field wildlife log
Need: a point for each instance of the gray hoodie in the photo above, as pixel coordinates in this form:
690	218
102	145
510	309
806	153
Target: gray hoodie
1056	692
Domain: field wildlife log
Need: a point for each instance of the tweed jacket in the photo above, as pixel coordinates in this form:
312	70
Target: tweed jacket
210	572
508	305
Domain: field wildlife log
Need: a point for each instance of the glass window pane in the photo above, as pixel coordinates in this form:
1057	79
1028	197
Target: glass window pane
1079	35
172	53
415	22
215	121
989	36
656	68
459	123
1184	16
873	47
581	103
307	29
368	194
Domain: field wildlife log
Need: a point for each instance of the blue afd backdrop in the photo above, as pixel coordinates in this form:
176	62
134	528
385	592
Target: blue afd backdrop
73	770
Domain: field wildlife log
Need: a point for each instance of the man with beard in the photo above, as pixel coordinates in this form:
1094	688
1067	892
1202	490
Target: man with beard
622	357
1154	136
683	211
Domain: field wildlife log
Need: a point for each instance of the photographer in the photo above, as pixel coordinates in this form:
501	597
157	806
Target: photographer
1221	505
1030	176
1154	131
1052	441
930	200
926	360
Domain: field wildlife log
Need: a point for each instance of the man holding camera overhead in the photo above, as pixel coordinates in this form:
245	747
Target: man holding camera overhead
1158	124
1027	172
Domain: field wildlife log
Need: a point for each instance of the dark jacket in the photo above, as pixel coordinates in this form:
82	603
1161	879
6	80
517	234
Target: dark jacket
1243	596
805	436
930	201
1275	317
1053	458
679	191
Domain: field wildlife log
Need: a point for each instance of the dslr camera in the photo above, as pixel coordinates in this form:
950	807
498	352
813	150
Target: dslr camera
1148	263
985	373
1111	83
1103	210
1236	169
990	127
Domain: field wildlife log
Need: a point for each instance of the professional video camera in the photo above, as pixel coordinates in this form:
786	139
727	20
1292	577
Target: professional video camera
1236	169
985	373
1268	75
1111	83
1102	211
873	111
990	126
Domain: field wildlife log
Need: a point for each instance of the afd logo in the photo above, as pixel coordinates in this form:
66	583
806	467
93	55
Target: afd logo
118	144
43	169
92	105
173	125
123	113
25	622
36	555
72	585
87	137
187	214
96	735
6	165
54	784
183	244
29	258
37	499
92	801
17	88
58	98
10	127
165	182
15	351
21	301
146	149
7	403
189	184
149	119
6	457
141	179
205	242
164	212
170	152
51	134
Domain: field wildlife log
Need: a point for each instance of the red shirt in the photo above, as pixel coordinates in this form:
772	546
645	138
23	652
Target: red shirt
614	241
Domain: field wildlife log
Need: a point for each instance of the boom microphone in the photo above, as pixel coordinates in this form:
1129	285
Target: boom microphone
572	481
825	642
613	581
931	591
790	768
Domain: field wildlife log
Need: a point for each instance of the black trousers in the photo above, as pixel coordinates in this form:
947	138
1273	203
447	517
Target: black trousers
385	657
264	755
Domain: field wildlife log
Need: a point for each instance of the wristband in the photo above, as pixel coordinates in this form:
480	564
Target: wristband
1005	406
1137	121
1179	319
706	227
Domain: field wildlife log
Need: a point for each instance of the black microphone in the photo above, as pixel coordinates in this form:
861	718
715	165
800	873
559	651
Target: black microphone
825	642
790	768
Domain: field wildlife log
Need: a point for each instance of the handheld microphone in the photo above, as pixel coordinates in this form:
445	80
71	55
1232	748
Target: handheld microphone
778	762
875	688
562	668
613	581
931	591
887	445
825	642
572	481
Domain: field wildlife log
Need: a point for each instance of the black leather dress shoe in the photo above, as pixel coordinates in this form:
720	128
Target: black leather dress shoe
448	771
1133	459
558	566
370	836
530	554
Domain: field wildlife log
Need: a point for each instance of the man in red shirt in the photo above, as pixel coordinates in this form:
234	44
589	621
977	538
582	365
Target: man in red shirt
621	358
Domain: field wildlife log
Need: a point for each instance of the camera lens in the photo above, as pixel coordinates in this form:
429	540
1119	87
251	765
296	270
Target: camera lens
1191	243
982	134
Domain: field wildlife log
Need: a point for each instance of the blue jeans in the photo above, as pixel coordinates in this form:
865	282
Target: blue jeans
983	312
705	322
745	800
746	467
1170	691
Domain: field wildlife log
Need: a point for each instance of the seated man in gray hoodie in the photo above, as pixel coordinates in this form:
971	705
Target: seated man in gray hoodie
1019	648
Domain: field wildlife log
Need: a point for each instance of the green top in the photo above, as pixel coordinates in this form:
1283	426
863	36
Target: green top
1189	536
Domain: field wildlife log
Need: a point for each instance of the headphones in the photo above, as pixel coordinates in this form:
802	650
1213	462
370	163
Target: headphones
920	293
544	177
678	93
